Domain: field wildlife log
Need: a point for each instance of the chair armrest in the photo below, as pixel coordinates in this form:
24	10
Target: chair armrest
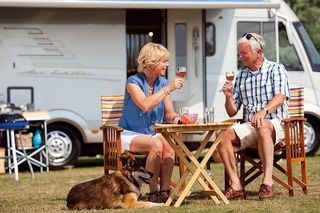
294	118
116	128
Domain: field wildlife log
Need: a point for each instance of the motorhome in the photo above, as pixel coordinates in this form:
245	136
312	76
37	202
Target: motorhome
69	53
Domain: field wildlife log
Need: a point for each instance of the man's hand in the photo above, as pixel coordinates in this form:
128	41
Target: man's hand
230	106
227	88
257	119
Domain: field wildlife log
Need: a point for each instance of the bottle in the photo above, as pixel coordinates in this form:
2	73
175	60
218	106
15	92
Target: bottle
37	139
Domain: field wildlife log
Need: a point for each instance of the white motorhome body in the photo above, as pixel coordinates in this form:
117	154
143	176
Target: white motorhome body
72	52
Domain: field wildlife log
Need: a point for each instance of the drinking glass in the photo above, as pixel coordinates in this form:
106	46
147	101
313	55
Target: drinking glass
209	115
181	72
184	111
230	76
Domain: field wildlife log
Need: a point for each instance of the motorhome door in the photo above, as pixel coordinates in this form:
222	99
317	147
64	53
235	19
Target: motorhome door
185	44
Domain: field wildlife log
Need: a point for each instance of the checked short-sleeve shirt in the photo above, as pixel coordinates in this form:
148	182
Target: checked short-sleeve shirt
254	90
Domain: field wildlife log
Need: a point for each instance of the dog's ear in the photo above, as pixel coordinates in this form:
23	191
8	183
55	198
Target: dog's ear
131	163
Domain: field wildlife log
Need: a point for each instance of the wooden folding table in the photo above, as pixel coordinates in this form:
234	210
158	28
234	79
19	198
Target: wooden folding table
190	160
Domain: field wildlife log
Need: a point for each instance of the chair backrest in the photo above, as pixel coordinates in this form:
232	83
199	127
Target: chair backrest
296	102
294	130
111	109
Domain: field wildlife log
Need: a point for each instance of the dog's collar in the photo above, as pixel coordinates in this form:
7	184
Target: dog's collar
133	180
136	183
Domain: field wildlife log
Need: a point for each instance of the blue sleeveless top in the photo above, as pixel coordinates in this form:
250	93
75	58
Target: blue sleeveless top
133	118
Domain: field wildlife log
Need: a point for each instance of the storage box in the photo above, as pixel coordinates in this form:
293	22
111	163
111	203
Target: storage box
2	157
26	140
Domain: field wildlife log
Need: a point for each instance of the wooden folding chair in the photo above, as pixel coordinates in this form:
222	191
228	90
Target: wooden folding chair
292	149
111	111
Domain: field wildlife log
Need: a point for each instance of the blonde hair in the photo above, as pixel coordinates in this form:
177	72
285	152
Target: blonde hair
150	55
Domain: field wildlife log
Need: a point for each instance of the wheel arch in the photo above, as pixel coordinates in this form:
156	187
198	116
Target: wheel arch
312	115
70	119
71	126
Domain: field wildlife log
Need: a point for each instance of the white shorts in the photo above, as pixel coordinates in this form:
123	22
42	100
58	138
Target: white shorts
127	136
248	137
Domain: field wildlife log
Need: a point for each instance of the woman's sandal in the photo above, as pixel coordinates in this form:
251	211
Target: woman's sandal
164	195
154	197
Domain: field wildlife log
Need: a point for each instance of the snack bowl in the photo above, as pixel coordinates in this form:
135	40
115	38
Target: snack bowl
191	118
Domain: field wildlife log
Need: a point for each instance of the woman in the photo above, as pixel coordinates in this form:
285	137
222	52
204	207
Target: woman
147	101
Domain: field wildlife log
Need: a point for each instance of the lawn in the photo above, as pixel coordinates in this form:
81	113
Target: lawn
48	192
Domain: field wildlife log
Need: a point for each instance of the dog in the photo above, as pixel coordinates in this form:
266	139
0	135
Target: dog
120	189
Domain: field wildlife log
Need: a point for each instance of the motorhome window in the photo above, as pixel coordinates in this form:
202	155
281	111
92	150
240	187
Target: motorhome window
181	44
210	39
311	51
248	27
269	35
288	54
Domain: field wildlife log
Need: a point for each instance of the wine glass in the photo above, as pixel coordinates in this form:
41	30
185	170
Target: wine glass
230	76
181	72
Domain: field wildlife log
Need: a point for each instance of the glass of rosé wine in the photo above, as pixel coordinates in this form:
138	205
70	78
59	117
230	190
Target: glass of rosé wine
181	72
230	76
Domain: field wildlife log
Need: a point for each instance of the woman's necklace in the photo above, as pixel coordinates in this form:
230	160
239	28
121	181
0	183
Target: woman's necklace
150	82
150	89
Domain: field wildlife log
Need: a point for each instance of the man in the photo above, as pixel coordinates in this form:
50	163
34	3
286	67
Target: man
262	88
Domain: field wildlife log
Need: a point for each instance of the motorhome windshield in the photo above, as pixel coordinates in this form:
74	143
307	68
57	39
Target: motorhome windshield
312	52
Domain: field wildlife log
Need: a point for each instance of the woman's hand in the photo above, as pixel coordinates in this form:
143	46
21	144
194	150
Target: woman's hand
176	83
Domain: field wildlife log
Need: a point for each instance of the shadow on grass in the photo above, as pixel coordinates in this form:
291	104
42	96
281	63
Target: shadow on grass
89	161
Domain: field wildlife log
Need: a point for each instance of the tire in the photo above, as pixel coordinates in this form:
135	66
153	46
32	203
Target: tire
64	146
311	135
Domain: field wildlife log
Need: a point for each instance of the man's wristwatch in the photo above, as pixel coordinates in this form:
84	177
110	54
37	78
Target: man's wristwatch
265	109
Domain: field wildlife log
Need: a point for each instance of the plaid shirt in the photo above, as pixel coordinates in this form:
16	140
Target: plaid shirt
254	91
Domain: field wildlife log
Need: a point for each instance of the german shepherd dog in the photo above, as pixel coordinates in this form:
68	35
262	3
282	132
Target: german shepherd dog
120	189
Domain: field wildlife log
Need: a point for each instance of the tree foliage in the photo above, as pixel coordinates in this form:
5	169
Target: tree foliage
308	12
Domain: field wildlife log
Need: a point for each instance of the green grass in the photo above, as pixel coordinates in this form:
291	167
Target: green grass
48	192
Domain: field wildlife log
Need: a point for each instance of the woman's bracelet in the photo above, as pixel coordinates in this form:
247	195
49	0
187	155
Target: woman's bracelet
165	90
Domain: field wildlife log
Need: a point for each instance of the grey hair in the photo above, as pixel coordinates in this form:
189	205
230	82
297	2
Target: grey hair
256	43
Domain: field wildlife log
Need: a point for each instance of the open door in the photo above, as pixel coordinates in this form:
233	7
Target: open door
184	29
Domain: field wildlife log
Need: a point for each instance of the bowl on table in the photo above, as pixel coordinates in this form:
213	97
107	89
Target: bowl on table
190	118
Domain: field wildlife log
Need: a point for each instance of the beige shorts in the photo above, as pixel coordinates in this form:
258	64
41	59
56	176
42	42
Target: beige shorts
248	136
